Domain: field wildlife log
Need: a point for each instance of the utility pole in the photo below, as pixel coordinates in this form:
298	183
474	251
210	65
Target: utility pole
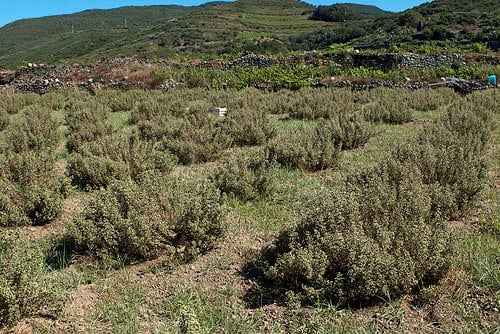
72	28
125	23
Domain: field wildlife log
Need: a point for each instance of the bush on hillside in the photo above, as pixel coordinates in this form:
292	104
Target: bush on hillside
247	177
132	221
117	157
315	103
87	122
13	103
121	223
32	129
248	127
431	99
383	234
449	156
388	109
4	119
33	190
196	138
53	101
350	130
373	241
310	149
24	288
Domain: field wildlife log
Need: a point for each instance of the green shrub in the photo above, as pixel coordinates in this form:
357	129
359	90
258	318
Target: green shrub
120	101
13	103
117	157
33	191
44	202
249	127
24	287
27	168
316	103
53	101
431	99
131	221
200	217
158	128
449	156
350	130
149	109
372	241
86	122
33	129
123	223
389	108
305	148
95	171
383	233
4	119
11	212
197	138
247	177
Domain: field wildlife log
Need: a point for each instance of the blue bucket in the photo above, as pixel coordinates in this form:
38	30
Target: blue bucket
493	79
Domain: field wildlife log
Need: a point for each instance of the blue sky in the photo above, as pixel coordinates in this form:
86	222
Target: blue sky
11	10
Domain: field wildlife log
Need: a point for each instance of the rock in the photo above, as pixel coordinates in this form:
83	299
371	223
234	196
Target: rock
6	76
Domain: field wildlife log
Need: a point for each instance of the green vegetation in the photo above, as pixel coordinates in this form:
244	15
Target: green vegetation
25	286
300	206
382	235
231	28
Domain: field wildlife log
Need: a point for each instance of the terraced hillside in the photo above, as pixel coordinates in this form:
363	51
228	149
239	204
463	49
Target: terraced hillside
229	28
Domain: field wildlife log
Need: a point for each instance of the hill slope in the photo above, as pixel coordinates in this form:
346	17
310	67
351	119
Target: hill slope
60	37
216	28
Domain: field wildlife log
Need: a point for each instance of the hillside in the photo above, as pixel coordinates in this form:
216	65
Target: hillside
55	38
218	28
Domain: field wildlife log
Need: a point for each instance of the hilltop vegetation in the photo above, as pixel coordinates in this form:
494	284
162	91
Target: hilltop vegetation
219	28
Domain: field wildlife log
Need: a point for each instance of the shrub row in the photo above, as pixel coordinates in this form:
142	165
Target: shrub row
87	121
32	129
32	189
383	233
199	136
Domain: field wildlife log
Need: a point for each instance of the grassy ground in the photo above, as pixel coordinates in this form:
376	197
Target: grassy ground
220	292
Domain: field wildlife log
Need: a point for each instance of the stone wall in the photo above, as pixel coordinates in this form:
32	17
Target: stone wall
392	61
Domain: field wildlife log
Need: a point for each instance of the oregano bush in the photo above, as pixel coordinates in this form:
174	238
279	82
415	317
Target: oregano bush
384	232
32	129
247	126
310	149
25	289
370	241
247	177
449	154
87	122
33	190
118	157
132	221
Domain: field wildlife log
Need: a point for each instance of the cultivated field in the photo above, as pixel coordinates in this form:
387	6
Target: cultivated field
301	211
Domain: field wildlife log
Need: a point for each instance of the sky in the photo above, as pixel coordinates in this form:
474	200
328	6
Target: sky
11	10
